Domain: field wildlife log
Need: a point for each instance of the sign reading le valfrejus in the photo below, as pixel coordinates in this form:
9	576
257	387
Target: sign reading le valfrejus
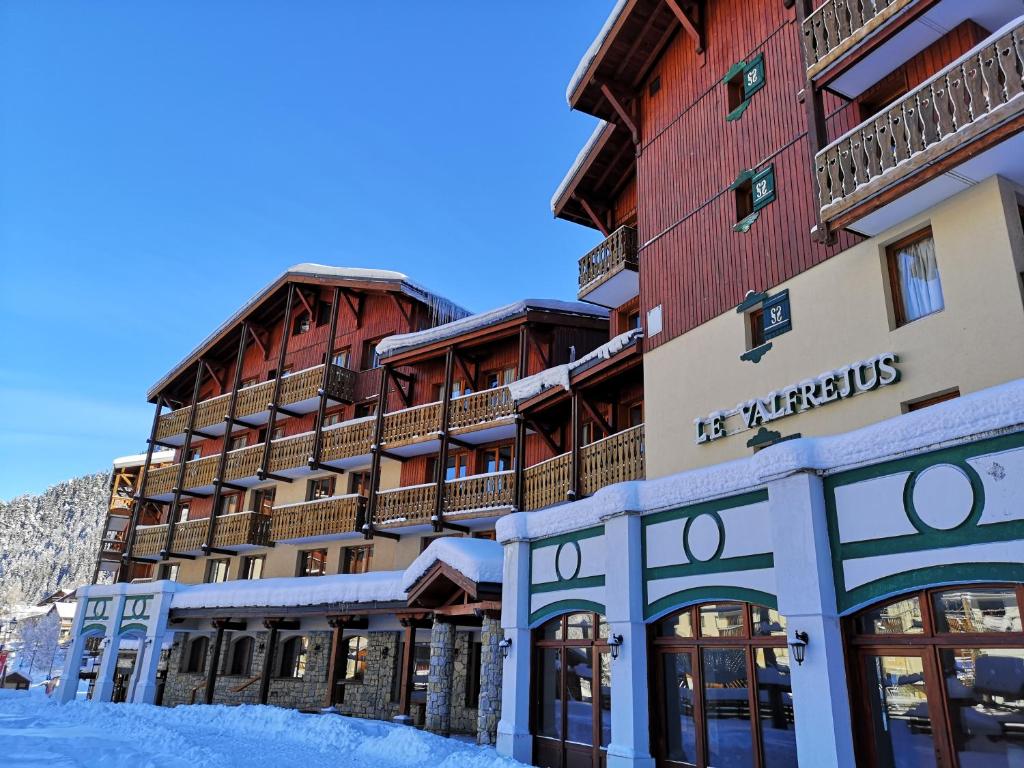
850	380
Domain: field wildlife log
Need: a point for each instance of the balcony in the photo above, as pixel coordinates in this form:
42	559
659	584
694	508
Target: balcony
239	532
956	129
839	26
610	273
299	393
336	517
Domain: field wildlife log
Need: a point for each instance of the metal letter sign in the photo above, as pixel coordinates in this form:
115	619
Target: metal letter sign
753	76
776	319
763	187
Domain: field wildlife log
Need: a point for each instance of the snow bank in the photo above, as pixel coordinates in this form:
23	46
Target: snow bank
378	586
981	413
591	54
558	376
403	341
479	560
139	459
581	158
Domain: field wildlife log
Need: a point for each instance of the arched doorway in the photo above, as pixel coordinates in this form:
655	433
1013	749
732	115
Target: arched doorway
572	691
937	678
706	711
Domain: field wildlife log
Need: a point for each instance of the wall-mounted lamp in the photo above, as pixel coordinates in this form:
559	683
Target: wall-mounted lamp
385	652
316	648
799	646
505	645
615	642
261	647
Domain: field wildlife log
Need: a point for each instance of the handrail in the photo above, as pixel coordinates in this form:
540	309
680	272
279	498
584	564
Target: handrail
837	25
618	249
480	407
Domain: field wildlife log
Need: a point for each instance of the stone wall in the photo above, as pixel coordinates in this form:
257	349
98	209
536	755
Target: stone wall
463	718
489	708
372	697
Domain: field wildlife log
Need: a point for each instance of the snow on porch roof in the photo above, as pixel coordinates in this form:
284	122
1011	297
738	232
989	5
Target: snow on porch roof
444	309
479	560
374	587
138	459
404	341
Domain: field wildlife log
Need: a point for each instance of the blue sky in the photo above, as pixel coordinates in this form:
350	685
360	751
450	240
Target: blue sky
161	161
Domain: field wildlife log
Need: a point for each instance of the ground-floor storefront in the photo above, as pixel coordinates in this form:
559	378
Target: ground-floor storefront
843	601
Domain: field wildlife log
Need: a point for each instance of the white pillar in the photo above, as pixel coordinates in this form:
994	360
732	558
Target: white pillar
73	655
630	745
104	687
807	599
514	737
144	690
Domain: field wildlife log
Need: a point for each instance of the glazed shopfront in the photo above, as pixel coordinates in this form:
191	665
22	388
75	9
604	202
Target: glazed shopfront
847	601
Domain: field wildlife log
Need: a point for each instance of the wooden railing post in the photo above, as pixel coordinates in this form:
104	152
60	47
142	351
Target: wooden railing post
442	451
817	135
519	463
286	333
369	529
182	465
140	498
574	468
314	459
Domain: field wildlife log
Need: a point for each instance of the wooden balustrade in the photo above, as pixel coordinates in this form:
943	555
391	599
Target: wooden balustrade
614	459
303	385
243	463
970	98
839	25
290	452
238	530
617	251
547	483
480	492
411	424
480	408
413	505
367	384
322	517
346	441
161	480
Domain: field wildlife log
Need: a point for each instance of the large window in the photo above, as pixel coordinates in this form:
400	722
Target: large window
914	278
572	690
263	500
355	658
320	488
293	657
938	679
239	661
357	559
217	570
252	567
722	688
193	655
230	503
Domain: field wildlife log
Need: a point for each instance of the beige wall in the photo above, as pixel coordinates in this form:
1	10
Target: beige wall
841	314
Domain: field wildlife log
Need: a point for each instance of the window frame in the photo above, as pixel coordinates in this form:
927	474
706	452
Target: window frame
360	555
302	565
893	274
245	573
212	565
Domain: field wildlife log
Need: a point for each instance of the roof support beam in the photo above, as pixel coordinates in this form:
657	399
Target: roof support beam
306	304
259	342
354	306
620	109
694	28
592	214
596	415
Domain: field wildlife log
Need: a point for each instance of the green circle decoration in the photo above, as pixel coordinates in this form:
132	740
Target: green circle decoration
717	519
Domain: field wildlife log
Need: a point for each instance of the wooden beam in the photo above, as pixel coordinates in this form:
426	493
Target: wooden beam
468	609
259	342
545	436
591	214
596	415
470	376
355	307
693	29
306	304
213	375
403	308
620	110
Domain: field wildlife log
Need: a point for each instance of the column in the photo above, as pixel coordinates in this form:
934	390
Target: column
104	687
489	704
439	679
631	736
806	590
150	648
514	737
73	655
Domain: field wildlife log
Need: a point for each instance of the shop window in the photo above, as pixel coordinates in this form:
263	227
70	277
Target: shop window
313	562
217	570
927	402
301	324
193	657
240	657
230	503
357	559
263	500
914	280
319	488
252	567
294	652
355	658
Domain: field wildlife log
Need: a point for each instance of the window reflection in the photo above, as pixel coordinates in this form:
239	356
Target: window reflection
677	626
721	620
580	626
902	617
727	707
991	609
579	695
550	710
775	707
766	622
680	725
898	701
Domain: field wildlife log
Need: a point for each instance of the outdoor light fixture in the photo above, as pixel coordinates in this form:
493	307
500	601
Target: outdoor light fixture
615	642
799	646
505	645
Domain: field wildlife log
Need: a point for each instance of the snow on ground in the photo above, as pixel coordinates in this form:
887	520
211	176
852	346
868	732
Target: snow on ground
36	731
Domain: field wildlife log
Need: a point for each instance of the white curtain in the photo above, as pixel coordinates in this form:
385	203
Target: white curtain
920	285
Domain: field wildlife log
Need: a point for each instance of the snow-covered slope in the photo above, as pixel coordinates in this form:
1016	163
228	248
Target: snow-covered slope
49	541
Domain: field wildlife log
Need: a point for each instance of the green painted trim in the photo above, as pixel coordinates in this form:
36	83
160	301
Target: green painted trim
923	578
579	560
744	226
764	436
721	538
751	300
93	627
755	63
977	489
551	541
132	628
754	355
992	533
698	568
564	606
737	113
734	70
689	597
558	586
718	505
745	175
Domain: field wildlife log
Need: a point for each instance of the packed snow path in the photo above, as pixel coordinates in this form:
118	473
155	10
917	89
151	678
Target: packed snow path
36	731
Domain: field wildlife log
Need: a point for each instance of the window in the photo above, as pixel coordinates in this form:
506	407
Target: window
927	402
635	414
250	382
742	81
263	500
362	410
426	540
183	510
301	324
319	488
230	503
755	328
473	675
497	459
370	357
193	655
355	658
753	192
654	86
359	483
458	466
495	379
168	572
276	435
217	571
323	313
882	94
194	454
489	535
252	567
357	559
293	657
459	388
239	661
342	357
313	562
420	670
914	278
333	417
590	432
272	373
241	441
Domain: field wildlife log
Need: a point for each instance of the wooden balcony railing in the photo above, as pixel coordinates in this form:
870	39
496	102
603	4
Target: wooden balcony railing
617	252
840	25
480	492
303	385
965	102
412	505
242	529
411	424
614	459
547	483
481	408
322	517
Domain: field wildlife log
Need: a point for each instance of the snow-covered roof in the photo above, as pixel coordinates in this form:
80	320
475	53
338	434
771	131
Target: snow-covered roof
404	341
581	158
138	459
374	587
963	419
559	375
479	560
443	310
66	610
592	51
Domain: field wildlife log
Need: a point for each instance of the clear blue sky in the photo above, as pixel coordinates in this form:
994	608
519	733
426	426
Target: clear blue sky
161	161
